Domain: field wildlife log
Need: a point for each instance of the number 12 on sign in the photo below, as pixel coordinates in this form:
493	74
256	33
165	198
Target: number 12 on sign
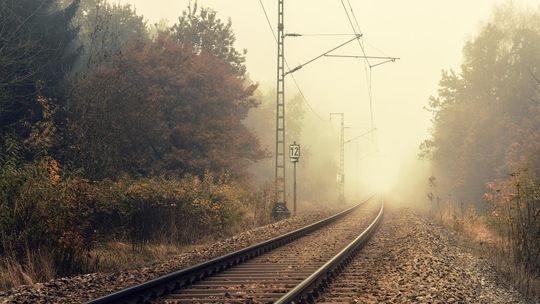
294	153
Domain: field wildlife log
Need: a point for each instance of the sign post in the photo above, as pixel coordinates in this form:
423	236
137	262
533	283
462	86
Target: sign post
294	154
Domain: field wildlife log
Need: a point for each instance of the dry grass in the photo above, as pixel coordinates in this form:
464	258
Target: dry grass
111	257
37	267
477	235
470	224
503	262
116	256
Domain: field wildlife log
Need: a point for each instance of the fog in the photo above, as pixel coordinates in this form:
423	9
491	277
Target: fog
427	36
132	131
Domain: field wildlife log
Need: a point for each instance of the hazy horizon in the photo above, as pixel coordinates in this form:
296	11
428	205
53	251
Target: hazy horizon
428	37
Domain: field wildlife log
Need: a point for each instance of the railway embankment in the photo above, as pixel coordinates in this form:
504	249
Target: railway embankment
413	260
85	287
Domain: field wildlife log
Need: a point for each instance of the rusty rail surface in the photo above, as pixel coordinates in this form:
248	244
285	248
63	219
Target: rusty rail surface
315	284
167	284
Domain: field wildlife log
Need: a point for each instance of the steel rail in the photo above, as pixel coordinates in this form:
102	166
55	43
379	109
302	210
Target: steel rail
314	285
164	285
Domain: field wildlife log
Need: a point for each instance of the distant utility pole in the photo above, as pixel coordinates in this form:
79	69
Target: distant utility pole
383	60
355	140
341	173
280	209
357	173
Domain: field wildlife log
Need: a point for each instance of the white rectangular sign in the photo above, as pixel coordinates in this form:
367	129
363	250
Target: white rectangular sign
294	152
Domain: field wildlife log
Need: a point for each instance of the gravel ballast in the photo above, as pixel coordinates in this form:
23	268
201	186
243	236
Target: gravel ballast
412	260
409	259
82	288
266	278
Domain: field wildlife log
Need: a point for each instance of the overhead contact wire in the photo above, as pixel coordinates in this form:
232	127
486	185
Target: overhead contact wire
288	67
368	74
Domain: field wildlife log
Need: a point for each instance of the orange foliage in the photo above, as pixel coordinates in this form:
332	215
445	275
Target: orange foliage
164	108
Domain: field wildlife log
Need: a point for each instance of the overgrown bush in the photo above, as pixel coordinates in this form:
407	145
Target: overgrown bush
66	216
39	211
516	216
509	235
52	216
167	210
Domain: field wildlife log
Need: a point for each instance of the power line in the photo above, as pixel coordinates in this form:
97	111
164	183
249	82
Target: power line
304	97
371	66
318	35
359	32
368	74
288	67
357	57
361	135
321	55
354	17
268	20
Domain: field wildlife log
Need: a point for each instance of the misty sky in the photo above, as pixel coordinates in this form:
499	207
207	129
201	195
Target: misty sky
427	35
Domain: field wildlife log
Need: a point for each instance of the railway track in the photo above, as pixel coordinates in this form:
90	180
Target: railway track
294	267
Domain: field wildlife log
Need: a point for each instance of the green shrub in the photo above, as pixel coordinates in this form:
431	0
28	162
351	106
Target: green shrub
38	210
167	210
43	210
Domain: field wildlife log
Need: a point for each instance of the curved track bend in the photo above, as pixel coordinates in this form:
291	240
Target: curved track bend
294	267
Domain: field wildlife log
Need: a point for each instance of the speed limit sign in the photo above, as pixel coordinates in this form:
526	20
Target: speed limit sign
294	153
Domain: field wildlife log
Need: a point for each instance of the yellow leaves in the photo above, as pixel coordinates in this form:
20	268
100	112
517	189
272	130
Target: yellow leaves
50	168
140	189
47	212
68	215
43	133
201	201
54	169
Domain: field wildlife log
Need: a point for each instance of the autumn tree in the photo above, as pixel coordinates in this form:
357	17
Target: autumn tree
164	108
486	116
202	30
104	30
36	53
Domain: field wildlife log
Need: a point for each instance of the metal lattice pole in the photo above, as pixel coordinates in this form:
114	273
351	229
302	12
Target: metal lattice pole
341	172
280	207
